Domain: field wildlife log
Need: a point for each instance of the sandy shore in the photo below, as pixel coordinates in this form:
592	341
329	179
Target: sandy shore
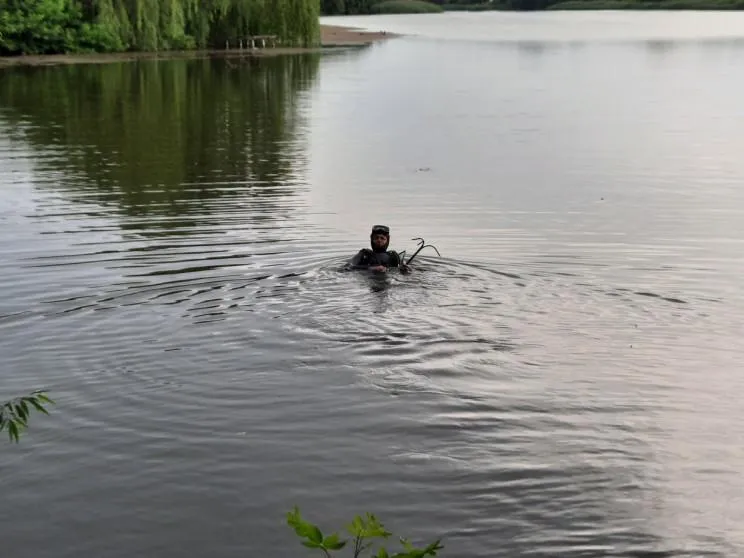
335	35
330	36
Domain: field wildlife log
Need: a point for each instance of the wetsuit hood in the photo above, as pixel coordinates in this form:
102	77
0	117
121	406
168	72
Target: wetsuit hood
380	229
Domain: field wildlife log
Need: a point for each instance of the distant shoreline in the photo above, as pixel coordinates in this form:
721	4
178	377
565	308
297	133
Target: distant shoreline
331	36
400	7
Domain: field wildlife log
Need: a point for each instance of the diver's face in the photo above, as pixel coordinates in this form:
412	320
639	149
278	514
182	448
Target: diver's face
379	240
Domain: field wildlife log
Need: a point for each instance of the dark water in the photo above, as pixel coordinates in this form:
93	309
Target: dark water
565	381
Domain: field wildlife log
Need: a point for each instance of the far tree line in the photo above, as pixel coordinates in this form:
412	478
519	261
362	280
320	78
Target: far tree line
361	7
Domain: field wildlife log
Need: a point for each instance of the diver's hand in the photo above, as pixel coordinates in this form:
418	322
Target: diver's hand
380	268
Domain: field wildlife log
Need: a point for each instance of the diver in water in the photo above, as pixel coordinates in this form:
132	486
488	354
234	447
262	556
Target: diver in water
379	258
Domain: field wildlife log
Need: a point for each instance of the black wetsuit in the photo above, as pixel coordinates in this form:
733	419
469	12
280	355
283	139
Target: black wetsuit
367	258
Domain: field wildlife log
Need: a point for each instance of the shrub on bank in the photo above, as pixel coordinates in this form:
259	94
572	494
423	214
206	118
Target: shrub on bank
14	414
468	7
366	533
405	7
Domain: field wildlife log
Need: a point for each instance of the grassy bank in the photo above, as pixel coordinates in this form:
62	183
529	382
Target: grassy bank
331	36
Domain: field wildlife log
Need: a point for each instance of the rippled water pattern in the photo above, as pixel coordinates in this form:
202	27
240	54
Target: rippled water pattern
563	381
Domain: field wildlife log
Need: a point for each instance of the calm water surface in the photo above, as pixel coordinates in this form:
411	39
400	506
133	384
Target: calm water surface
564	381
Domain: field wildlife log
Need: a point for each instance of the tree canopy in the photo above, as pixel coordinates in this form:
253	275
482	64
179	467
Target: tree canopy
73	26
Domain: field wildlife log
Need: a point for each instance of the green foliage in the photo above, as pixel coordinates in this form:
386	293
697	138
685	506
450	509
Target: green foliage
473	7
347	7
365	531
38	26
74	26
15	413
405	7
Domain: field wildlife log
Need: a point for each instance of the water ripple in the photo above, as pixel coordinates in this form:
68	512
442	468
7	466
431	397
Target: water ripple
563	382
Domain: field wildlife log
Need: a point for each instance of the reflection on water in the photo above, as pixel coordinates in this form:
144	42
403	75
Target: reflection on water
166	143
561	382
153	169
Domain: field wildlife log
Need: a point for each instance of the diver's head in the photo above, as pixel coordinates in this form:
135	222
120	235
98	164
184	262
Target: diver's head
380	238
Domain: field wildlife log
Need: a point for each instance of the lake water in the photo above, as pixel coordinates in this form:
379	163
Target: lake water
565	380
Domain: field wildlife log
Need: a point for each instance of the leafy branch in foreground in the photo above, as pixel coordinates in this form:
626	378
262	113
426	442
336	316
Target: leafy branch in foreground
363	530
14	414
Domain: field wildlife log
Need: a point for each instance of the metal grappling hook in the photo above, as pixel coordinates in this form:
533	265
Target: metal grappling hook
422	244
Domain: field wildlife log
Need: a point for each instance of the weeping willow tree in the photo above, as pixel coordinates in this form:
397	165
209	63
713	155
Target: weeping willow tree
64	26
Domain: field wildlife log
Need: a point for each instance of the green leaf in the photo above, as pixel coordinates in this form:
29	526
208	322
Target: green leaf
375	528
370	527
13	431
20	414
315	534
412	552
294	519
304	528
356	527
293	516
333	542
44	398
312	544
38	406
382	553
